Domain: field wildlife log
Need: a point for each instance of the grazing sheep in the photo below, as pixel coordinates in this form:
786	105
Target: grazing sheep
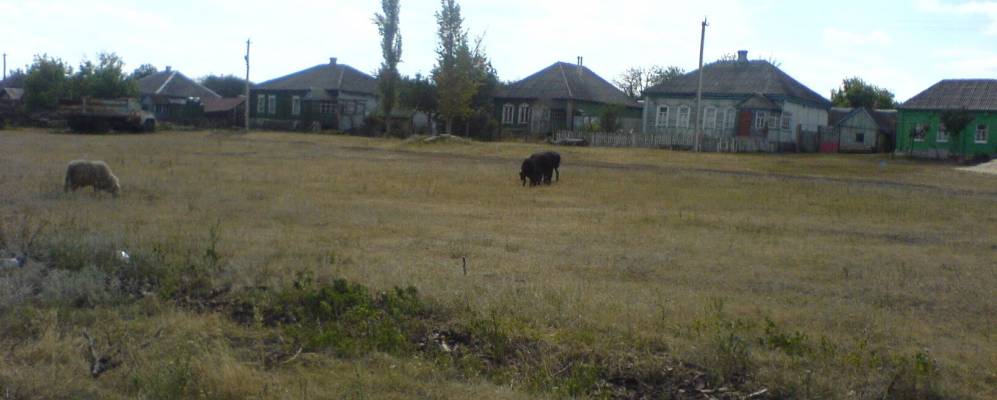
97	174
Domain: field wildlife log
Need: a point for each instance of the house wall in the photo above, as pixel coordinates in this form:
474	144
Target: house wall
806	117
350	111
858	126
929	145
652	103
366	105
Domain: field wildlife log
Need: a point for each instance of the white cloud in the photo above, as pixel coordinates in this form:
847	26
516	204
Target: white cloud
985	9
967	62
837	37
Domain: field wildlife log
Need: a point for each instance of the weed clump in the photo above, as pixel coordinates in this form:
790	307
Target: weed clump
342	317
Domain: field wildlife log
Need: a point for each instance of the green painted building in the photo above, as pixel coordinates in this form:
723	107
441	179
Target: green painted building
326	96
920	131
560	97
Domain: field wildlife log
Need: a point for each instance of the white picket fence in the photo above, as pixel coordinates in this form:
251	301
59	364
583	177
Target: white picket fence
672	141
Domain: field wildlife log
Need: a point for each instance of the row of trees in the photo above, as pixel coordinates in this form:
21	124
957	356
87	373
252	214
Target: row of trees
49	79
462	85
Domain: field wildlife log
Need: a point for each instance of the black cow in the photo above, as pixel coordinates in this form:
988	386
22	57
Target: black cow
540	168
531	171
554	159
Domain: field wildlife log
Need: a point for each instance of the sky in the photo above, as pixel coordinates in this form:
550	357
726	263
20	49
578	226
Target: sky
904	46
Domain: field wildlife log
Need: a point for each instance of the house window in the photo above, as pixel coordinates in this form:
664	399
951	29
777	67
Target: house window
683	119
943	134
710	118
349	108
859	138
761	117
773	121
662	120
981	133
508	112
524	114
272	104
261	104
326	107
787	121
729	118
919	132
296	105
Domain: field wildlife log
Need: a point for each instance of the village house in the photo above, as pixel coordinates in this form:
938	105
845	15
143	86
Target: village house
562	96
740	98
326	96
224	112
860	130
11	95
172	96
921	132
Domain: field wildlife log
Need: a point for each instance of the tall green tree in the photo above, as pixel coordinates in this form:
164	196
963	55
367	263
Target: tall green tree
225	85
391	49
46	82
15	79
486	81
106	79
419	93
855	92
453	73
635	80
143	71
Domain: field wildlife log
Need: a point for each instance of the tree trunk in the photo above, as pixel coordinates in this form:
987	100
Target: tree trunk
449	127
467	128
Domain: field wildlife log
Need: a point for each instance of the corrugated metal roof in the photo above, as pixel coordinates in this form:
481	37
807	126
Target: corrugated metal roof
325	77
741	78
172	83
565	81
956	94
222	104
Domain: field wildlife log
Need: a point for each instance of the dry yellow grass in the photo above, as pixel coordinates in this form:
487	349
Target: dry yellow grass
631	246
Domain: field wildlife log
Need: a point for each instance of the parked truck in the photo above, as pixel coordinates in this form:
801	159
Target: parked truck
102	115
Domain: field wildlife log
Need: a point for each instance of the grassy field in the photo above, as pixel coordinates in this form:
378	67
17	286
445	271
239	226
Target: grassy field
809	276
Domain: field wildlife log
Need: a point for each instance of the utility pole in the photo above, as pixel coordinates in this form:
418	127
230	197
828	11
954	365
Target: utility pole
4	66
246	103
699	91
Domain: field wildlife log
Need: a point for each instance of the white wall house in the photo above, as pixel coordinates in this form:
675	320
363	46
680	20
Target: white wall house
741	98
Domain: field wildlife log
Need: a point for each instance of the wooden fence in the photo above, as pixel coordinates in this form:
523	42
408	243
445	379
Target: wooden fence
677	141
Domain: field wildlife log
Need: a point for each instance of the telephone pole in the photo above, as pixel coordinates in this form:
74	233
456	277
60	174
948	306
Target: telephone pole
699	91
246	103
4	66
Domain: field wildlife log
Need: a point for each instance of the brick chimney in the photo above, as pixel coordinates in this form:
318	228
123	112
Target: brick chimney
333	60
742	56
169	68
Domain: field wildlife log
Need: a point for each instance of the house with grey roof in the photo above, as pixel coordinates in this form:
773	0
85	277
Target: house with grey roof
860	130
172	96
562	96
921	133
740	98
326	96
